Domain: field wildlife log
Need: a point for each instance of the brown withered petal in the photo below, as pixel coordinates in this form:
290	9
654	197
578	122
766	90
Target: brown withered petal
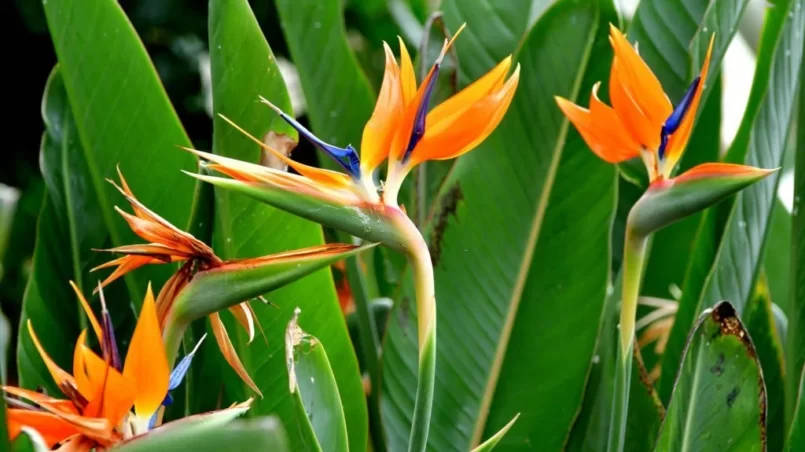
228	350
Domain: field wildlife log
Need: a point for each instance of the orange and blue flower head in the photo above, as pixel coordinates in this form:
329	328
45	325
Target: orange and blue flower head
641	121
403	129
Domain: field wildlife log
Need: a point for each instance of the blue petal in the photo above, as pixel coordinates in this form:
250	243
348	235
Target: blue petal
152	421
673	121
352	165
421	113
179	372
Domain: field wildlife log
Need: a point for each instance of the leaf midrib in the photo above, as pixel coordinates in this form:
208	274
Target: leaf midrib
531	243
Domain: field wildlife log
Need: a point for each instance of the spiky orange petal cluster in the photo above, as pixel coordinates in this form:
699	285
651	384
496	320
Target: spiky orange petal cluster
640	109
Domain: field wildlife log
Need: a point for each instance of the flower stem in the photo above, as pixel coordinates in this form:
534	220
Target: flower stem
634	251
370	345
420	262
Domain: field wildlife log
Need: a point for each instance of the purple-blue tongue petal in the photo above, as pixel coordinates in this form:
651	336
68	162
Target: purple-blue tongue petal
421	114
673	121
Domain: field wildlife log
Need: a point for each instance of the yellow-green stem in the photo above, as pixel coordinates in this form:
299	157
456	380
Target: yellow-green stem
419	259
634	251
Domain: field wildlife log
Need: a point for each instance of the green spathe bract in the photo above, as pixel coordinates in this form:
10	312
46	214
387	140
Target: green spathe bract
369	222
666	202
218	289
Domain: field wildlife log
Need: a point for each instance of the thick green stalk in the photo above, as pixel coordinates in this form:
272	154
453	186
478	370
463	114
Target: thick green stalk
370	344
634	251
419	259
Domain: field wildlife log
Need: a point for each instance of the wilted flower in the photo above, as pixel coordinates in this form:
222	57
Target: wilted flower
170	244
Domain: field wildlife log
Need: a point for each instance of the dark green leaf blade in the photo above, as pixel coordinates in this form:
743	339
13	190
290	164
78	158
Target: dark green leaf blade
123	117
760	325
338	95
796	434
247	228
795	346
70	224
719	399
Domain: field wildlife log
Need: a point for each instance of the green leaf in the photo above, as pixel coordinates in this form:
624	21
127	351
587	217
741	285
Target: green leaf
732	262
4	440
516	198
777	252
124	118
70	225
672	36
760	325
338	95
796	435
494	30
264	433
314	392
493	440
719	399
243	68
795	346
29	440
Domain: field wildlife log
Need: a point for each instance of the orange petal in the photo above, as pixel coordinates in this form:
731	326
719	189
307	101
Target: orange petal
124	265
146	364
113	393
714	169
463	131
678	141
244	315
100	429
52	428
63	380
90	315
228	350
154	228
601	128
639	81
406	121
641	128
80	369
170	290
464	99
378	133
322	176
407	76
38	398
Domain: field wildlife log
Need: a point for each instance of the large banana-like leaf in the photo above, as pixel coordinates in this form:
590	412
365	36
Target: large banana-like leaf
243	68
495	30
69	226
760	324
508	208
796	433
795	346
123	117
337	93
761	142
719	398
